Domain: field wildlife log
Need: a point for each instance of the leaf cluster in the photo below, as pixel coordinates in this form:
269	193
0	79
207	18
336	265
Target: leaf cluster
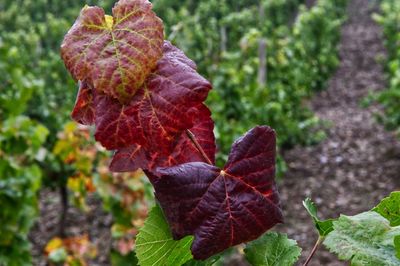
368	238
138	90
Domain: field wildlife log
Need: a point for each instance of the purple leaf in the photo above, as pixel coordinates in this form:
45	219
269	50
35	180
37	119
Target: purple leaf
223	208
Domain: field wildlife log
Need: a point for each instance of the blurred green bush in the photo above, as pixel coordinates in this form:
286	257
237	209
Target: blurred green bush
223	37
36	96
389	19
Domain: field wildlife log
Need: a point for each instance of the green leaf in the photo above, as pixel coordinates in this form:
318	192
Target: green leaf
208	262
272	249
397	246
390	208
323	227
365	239
129	259
58	256
155	245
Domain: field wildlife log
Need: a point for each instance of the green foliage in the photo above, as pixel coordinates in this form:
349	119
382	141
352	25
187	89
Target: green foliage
318	58
272	249
208	262
21	141
397	246
390	208
123	260
16	253
36	94
365	239
222	37
389	20
323	227
58	256
20	179
34	81
155	245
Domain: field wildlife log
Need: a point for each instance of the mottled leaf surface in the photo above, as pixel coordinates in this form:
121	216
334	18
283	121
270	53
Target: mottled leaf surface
83	111
223	207
159	112
364	239
155	245
272	249
390	208
115	54
136	156
323	227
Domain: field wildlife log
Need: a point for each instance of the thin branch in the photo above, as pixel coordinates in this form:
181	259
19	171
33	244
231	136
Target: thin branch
192	137
319	241
64	210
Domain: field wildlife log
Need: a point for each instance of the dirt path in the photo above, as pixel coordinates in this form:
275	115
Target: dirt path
358	163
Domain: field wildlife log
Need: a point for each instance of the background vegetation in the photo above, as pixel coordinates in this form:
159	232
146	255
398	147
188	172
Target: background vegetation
390	99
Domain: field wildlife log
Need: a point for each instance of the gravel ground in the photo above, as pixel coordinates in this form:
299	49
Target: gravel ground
359	162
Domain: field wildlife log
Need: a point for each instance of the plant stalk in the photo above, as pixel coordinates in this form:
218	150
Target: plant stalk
319	241
192	137
64	210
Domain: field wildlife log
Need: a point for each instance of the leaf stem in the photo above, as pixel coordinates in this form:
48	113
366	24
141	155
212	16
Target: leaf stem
319	241
192	137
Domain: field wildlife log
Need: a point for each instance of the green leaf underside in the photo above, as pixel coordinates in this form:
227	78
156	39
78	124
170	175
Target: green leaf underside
365	239
323	227
272	249
155	245
390	208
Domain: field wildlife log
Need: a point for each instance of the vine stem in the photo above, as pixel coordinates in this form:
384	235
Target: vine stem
192	138
319	241
64	209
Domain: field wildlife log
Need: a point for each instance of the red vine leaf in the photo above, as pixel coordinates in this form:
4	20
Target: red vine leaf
160	110
136	156
84	109
185	151
116	54
117	125
223	208
130	159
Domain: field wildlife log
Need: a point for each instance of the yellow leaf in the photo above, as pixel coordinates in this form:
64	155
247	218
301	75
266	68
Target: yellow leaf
53	244
74	183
